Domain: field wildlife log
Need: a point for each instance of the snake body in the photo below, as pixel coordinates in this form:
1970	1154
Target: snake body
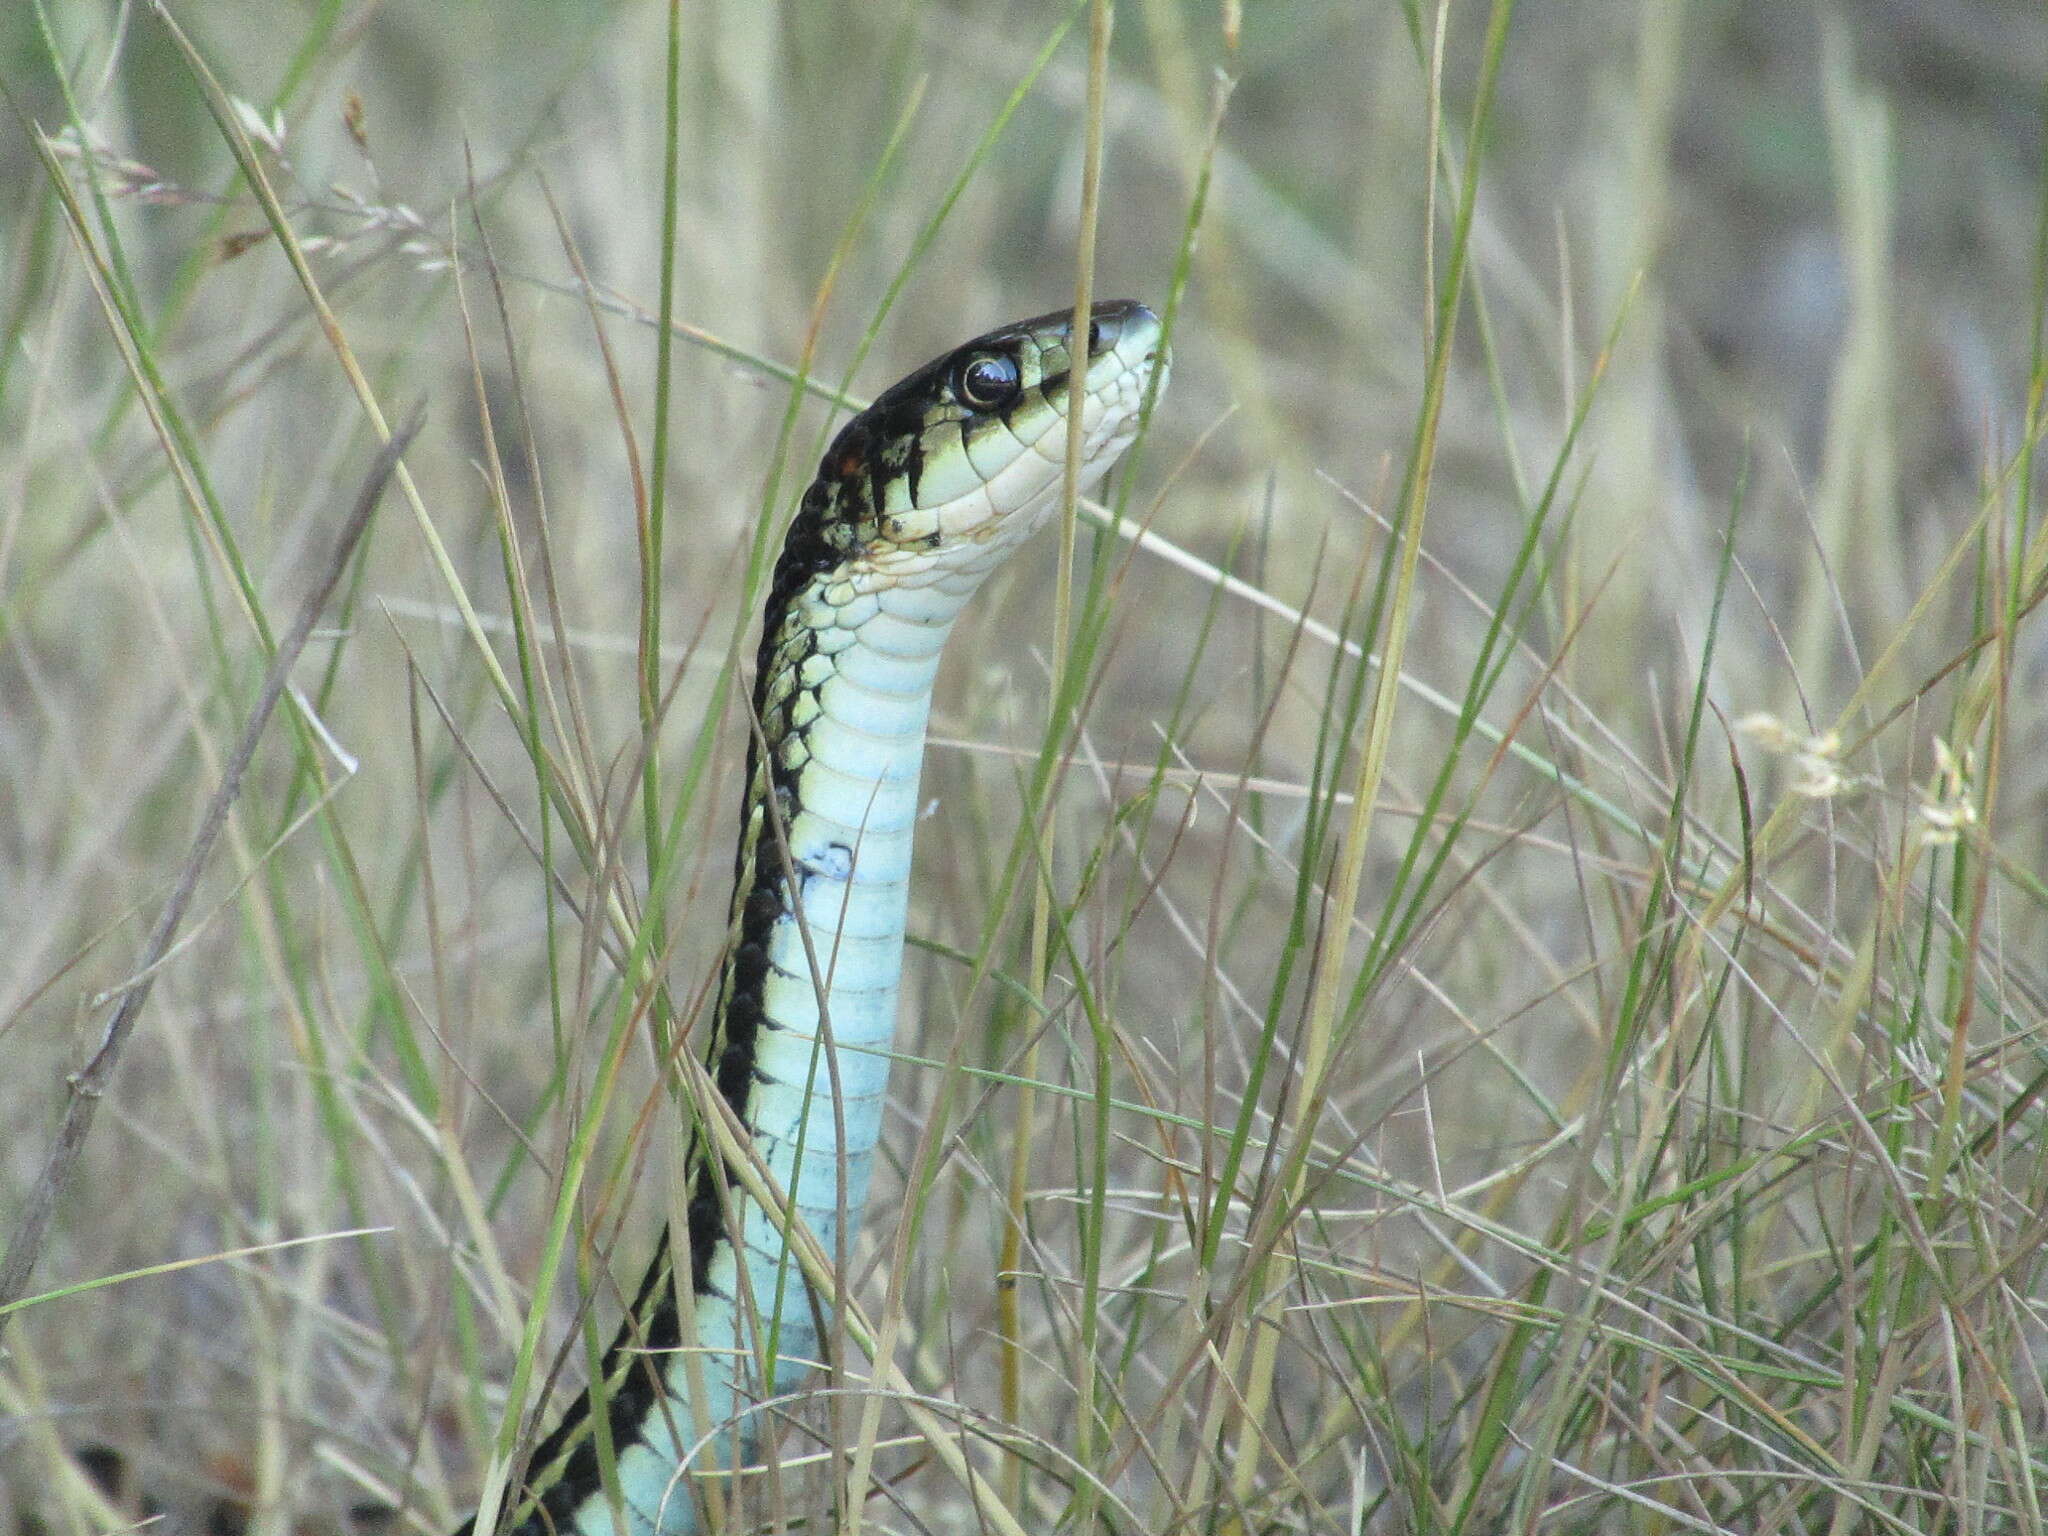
919	498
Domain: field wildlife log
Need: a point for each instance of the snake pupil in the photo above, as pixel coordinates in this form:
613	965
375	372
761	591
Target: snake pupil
987	382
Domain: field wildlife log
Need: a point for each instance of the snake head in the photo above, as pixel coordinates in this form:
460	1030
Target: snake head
963	460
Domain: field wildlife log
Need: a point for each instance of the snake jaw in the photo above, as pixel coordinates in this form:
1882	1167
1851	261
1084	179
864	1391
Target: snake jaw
947	483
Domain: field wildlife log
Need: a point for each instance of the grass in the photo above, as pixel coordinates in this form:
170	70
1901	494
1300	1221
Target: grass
1485	978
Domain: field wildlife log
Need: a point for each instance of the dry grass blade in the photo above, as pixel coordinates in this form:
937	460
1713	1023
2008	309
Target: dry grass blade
89	1084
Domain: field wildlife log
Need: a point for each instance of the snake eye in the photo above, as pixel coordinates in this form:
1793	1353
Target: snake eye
1094	337
987	381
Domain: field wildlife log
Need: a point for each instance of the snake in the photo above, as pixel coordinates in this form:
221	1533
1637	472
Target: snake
917	501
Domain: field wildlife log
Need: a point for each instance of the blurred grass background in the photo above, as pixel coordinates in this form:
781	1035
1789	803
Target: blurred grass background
1674	1160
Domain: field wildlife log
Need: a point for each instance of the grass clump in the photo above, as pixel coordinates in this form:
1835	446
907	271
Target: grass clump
1483	975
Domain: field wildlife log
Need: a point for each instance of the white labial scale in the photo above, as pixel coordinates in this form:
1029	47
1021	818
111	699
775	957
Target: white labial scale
991	449
948	472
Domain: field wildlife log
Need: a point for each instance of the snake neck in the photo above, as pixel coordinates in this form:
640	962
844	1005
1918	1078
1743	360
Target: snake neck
807	860
806	1008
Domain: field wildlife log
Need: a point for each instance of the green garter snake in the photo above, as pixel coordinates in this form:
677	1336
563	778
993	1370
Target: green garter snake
918	500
